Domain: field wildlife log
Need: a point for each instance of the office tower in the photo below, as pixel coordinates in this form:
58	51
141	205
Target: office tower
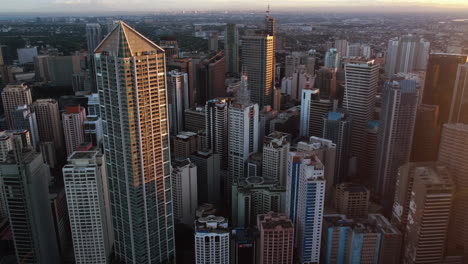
26	55
88	207
243	132
398	117
185	143
353	50
258	60
341	46
62	69
335	238
366	51
23	118
428	216
363	243
6	144
318	109
136	145
212	240
48	123
254	165
332	59
41	68
359	100
291	65
184	65
184	191
92	129
452	154
308	96
209	176
276	238
325	81
391	239
406	54
213	41
244	245
231	48
352	200
275	157
93	36
337	128
178	99
170	46
439	85
93	104
195	119
459	105
49	153
310	203
14	95
277	99
253	196
73	127
293	86
210	77
426	134
25	184
216	127
326	152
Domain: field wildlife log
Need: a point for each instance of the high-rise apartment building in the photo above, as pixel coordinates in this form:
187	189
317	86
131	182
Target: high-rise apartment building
92	129
452	154
184	191
93	104
308	97
406	54
333	59
23	118
352	200
276	238
428	215
439	85
86	187
136	145
25	180
359	100
170	46
426	136
232	49
396	130
337	128
212	240
73	127
243	132
48	122
459	105
185	143
14	95
217	127
258	60
93	36
341	46
210	77
178	100
275	157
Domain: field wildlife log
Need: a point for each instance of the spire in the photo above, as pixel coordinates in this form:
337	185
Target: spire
268	10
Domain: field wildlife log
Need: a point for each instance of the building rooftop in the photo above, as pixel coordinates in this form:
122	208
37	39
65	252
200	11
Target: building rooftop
274	220
77	155
211	224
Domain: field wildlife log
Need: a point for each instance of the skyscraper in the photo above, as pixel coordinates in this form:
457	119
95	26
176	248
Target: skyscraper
93	36
134	115
275	157
406	54
258	60
23	118
398	117
48	122
209	176
439	85
178	99
276	238
232	49
212	240
25	182
210	76
217	127
428	216
308	97
337	128
184	191
452	153
359	100
88	207
73	127
243	132
14	95
332	59
352	200
341	46
459	105
426	136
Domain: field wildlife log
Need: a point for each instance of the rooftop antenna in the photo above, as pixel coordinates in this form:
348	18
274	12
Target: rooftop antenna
268	10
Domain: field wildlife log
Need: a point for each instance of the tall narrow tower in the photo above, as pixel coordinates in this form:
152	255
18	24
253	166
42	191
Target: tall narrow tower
133	99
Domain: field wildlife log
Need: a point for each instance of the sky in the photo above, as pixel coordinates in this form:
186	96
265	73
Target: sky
93	6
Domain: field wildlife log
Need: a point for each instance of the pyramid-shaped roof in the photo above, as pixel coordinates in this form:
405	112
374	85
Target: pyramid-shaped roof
124	41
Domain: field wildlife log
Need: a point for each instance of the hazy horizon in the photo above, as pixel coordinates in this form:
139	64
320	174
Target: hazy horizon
277	6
